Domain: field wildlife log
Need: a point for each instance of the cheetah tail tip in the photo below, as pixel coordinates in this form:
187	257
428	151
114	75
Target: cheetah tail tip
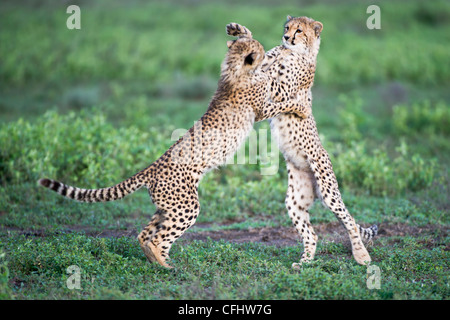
45	182
374	229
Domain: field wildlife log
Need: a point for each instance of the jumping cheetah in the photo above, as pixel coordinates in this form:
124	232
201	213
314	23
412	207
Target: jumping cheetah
310	172
173	179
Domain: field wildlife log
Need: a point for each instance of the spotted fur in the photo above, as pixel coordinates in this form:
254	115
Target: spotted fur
173	179
310	172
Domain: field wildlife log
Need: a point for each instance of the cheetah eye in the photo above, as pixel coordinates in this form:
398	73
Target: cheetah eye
286	29
249	59
299	30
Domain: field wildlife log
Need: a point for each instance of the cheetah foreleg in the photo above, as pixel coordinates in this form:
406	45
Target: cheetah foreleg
272	109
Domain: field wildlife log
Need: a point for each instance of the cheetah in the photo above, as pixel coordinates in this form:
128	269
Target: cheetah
310	172
173	179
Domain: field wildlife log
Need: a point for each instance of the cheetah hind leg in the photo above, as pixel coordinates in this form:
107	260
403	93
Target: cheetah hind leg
150	245
334	202
328	191
355	232
166	227
299	198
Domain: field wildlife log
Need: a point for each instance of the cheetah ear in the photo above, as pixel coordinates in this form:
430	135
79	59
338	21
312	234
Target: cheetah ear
289	18
230	43
249	59
318	27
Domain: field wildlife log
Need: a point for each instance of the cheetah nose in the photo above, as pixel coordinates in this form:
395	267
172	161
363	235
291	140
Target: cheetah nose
286	37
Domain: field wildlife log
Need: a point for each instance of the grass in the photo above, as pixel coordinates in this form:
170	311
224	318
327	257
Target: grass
412	268
92	107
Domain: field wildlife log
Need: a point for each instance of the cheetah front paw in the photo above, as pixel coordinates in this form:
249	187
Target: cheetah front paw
236	30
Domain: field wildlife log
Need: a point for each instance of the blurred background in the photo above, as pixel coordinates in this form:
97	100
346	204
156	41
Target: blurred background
91	107
95	105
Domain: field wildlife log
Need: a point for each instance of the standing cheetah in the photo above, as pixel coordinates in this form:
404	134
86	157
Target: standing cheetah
173	179
310	172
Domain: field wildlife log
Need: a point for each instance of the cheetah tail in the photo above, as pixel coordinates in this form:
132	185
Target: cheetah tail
368	233
236	30
93	195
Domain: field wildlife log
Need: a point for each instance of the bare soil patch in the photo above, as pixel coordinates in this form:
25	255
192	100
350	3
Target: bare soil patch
276	236
330	232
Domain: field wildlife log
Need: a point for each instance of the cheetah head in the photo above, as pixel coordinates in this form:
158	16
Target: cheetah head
302	34
244	55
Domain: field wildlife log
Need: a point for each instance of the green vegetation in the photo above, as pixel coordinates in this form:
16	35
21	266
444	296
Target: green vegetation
412	268
92	107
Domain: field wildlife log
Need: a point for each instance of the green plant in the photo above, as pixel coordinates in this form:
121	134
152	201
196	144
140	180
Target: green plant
5	290
422	118
375	172
74	148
